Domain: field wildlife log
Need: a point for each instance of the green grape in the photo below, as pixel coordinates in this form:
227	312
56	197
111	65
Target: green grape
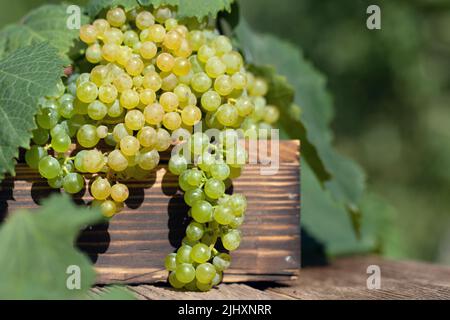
47	118
40	136
205	52
60	129
100	189
56	183
193	195
238	204
174	282
185	272
120	131
67	109
144	20
182	181
200	253
231	240
49	167
195	231
79	161
147	136
222	45
244	106
97	110
220	171
94	53
148	159
119	192
93	161
184	254
211	100
215	67
205	273
34	155
134	120
191	115
117	161
259	88
200	82
204	287
223	85
61	143
271	114
236	222
154	114
222	261
191	286
217	279
88	34
108	208
194	177
202	211
129	145
102	131
129	99
188	242
163	140
227	115
87	92
172	120
223	215
87	136
214	188
170	262
73	183
233	62
239	81
177	164
116	17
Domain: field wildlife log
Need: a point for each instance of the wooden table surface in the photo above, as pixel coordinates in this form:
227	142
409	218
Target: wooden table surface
344	278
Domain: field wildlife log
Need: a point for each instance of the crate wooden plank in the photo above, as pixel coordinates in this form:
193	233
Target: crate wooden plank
132	247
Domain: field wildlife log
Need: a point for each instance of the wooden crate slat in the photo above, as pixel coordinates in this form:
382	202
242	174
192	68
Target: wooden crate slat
132	247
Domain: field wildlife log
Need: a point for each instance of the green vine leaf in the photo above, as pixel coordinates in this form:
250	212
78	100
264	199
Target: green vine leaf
25	75
37	253
186	8
44	24
310	121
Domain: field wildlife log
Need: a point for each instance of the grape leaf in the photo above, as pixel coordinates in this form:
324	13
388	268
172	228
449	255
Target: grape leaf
37	251
47	23
342	177
326	220
25	75
186	8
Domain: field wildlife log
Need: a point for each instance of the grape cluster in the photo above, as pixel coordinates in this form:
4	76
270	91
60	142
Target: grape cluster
152	79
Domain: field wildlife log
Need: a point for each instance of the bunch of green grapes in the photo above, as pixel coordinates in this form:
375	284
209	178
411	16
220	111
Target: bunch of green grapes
152	79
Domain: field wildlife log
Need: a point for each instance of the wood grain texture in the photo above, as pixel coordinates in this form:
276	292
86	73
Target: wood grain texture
343	279
132	247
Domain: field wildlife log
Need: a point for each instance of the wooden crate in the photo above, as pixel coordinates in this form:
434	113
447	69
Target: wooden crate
132	247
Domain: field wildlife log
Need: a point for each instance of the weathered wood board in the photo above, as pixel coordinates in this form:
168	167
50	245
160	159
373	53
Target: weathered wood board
132	247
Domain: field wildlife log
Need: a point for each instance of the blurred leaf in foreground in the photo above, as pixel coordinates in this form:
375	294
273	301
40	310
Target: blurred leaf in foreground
37	252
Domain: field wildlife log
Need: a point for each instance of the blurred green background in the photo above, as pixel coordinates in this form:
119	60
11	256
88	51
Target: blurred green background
391	89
